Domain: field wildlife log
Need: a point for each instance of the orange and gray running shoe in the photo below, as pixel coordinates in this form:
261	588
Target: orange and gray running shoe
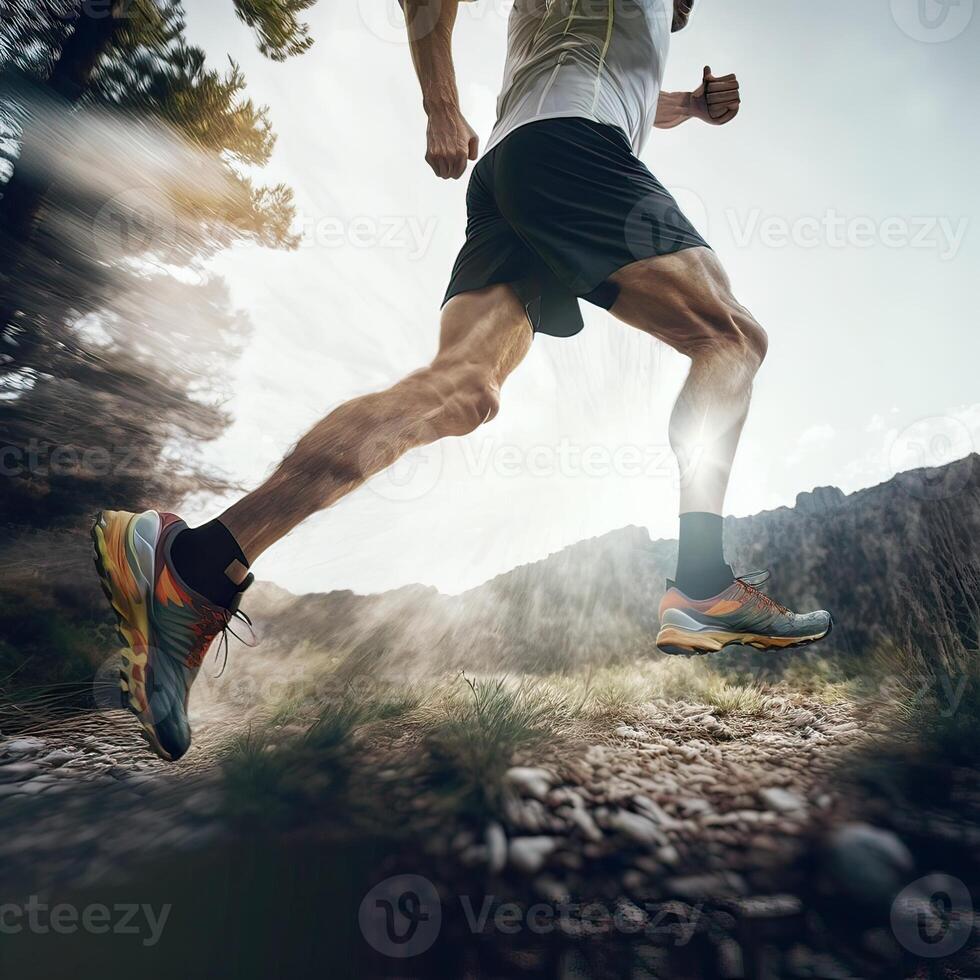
742	614
166	626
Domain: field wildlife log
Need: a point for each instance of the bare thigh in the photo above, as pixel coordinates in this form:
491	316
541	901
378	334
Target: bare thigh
685	299
484	335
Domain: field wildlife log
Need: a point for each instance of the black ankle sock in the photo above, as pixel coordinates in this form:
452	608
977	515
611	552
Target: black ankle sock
201	554
701	568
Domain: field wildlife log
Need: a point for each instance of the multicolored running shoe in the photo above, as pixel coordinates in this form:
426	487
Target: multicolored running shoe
742	614
166	626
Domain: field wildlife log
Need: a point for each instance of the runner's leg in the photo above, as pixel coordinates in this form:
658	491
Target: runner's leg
484	336
685	300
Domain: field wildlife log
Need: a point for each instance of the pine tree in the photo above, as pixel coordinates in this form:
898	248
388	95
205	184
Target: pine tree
113	338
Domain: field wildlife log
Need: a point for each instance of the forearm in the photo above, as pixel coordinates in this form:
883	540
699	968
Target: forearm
673	109
432	52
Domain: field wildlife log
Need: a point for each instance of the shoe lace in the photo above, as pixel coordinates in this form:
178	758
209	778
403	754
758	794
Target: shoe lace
223	642
749	585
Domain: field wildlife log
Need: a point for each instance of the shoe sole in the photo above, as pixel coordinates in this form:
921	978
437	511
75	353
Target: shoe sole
109	540
678	642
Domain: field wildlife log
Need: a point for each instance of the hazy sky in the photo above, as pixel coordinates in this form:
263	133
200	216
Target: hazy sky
842	200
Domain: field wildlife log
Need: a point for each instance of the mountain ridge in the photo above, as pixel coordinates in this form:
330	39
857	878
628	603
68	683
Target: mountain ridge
595	601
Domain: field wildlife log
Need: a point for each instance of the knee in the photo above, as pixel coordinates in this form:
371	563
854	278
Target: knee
730	331
466	398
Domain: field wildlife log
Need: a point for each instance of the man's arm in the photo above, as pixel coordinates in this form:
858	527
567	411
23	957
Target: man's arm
716	101
451	142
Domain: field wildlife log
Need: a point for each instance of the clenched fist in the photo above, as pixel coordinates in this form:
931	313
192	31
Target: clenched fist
451	143
716	100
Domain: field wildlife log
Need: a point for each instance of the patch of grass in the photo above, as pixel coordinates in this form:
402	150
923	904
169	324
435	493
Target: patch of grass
615	694
928	685
735	699
464	732
271	779
475	740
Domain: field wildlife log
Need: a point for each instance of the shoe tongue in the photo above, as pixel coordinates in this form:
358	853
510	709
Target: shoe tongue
245	584
755	579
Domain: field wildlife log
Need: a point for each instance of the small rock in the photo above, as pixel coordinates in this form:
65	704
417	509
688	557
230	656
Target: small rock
17	772
655	812
551	889
58	758
636	828
474	855
530	782
528	854
565	796
634	881
770	906
781	800
22	746
33	787
633	734
585	824
696	888
496	842
694	805
866	864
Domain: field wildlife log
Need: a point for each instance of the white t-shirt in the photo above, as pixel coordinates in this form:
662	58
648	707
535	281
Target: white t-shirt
597	59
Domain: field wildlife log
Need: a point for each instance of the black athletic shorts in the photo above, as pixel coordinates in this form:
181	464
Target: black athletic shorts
557	207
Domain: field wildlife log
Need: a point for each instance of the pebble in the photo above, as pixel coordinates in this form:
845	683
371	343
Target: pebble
22	746
656	813
530	782
528	854
58	758
583	822
474	855
633	734
769	906
635	827
866	864
781	800
17	772
551	889
496	844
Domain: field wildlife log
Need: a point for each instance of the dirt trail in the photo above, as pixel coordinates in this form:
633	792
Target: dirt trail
677	789
82	796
